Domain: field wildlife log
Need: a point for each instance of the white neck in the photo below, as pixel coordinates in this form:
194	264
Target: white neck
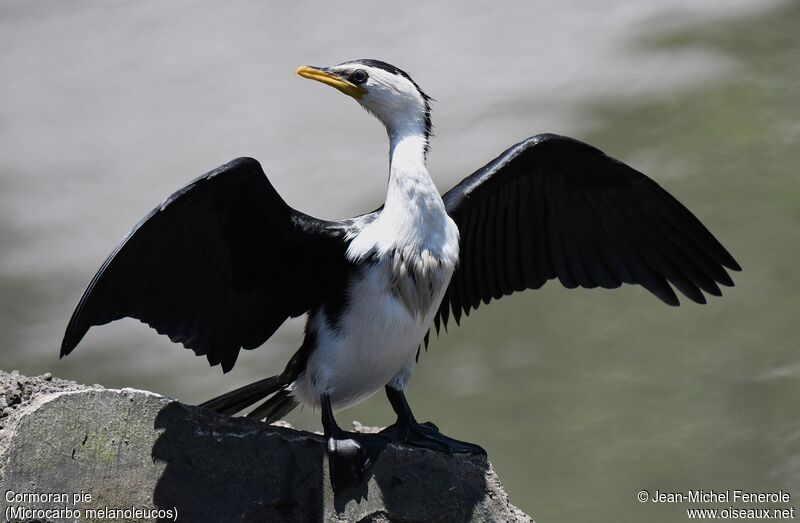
407	142
409	182
413	218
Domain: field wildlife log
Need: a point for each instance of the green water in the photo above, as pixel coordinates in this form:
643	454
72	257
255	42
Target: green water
582	398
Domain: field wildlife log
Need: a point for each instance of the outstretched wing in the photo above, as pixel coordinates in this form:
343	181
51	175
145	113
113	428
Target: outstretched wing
553	207
219	266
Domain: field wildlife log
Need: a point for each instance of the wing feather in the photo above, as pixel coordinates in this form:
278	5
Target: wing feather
218	266
553	207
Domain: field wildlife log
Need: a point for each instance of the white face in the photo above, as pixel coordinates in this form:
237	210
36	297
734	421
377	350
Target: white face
389	95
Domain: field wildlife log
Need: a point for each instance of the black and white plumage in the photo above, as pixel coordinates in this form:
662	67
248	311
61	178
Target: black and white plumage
223	262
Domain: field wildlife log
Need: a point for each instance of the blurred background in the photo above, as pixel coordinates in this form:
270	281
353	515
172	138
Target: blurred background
582	397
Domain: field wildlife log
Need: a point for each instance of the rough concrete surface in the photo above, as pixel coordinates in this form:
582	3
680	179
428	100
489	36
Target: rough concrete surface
65	446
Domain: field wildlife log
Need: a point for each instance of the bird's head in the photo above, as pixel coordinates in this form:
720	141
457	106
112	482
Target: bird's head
383	90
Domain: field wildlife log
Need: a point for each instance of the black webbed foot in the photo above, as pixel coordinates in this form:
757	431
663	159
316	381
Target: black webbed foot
350	455
427	436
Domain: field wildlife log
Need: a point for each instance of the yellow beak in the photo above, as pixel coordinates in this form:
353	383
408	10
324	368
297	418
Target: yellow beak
333	80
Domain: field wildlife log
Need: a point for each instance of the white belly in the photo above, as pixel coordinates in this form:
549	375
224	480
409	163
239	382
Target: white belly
377	340
391	301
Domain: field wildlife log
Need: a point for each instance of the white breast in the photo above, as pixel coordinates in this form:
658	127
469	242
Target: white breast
391	303
406	258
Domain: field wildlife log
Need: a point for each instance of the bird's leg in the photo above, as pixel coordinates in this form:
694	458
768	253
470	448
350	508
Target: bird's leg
350	454
426	435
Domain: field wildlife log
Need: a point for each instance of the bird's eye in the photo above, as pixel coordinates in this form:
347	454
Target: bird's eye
359	76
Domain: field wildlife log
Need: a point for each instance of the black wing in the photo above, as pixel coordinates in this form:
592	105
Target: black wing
219	266
553	207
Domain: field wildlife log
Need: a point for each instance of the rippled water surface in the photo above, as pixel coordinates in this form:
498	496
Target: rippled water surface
582	398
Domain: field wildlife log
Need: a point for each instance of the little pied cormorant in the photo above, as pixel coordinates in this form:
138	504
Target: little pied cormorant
224	261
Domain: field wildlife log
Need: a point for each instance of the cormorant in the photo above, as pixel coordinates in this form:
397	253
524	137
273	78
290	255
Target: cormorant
224	261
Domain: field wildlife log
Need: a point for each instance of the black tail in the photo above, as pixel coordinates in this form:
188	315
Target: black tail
278	406
271	410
